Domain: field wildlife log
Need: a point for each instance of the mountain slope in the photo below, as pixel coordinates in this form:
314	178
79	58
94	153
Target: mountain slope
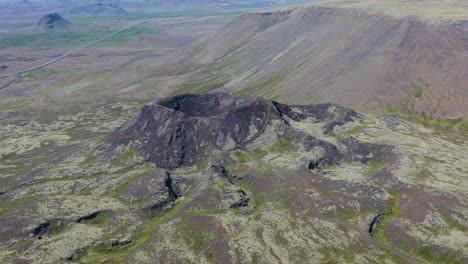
360	59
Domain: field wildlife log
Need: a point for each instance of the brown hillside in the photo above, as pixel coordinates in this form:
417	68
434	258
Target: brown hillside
354	57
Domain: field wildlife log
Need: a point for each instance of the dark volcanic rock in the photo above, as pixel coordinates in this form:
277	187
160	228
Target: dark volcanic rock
318	113
365	152
184	130
48	227
178	131
375	223
76	255
88	217
41	229
169	198
237	198
157	190
53	21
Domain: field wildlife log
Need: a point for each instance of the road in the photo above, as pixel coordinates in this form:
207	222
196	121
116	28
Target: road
62	56
3	86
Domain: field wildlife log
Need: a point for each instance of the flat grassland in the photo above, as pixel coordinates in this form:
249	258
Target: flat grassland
72	39
87	28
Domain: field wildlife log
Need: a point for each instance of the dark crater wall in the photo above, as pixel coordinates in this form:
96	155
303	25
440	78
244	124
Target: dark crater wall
181	131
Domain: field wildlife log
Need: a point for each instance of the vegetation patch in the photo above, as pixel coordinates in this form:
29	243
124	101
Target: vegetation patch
101	220
224	65
422	174
19	106
181	68
357	130
89	161
374	166
259	203
280	240
72	39
265	84
85	20
259	153
203	86
429	255
418	90
223	184
283	146
442	124
392	212
198	240
125	158
334	254
37	75
245	185
202	164
57	229
348	214
241	157
117	255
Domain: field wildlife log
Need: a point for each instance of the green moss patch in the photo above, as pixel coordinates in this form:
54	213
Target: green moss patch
101	220
259	153
37	75
89	161
357	130
333	254
259	203
125	158
422	174
197	239
418	90
429	255
118	254
264	85
392	212
241	157
283	146
429	122
181	68
56	229
204	85
374	166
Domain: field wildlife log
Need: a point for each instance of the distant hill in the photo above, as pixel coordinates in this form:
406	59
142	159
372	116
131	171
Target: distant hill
53	21
223	3
97	9
21	7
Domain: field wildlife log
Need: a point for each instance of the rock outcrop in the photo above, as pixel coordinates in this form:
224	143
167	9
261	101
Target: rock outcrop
53	21
183	130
